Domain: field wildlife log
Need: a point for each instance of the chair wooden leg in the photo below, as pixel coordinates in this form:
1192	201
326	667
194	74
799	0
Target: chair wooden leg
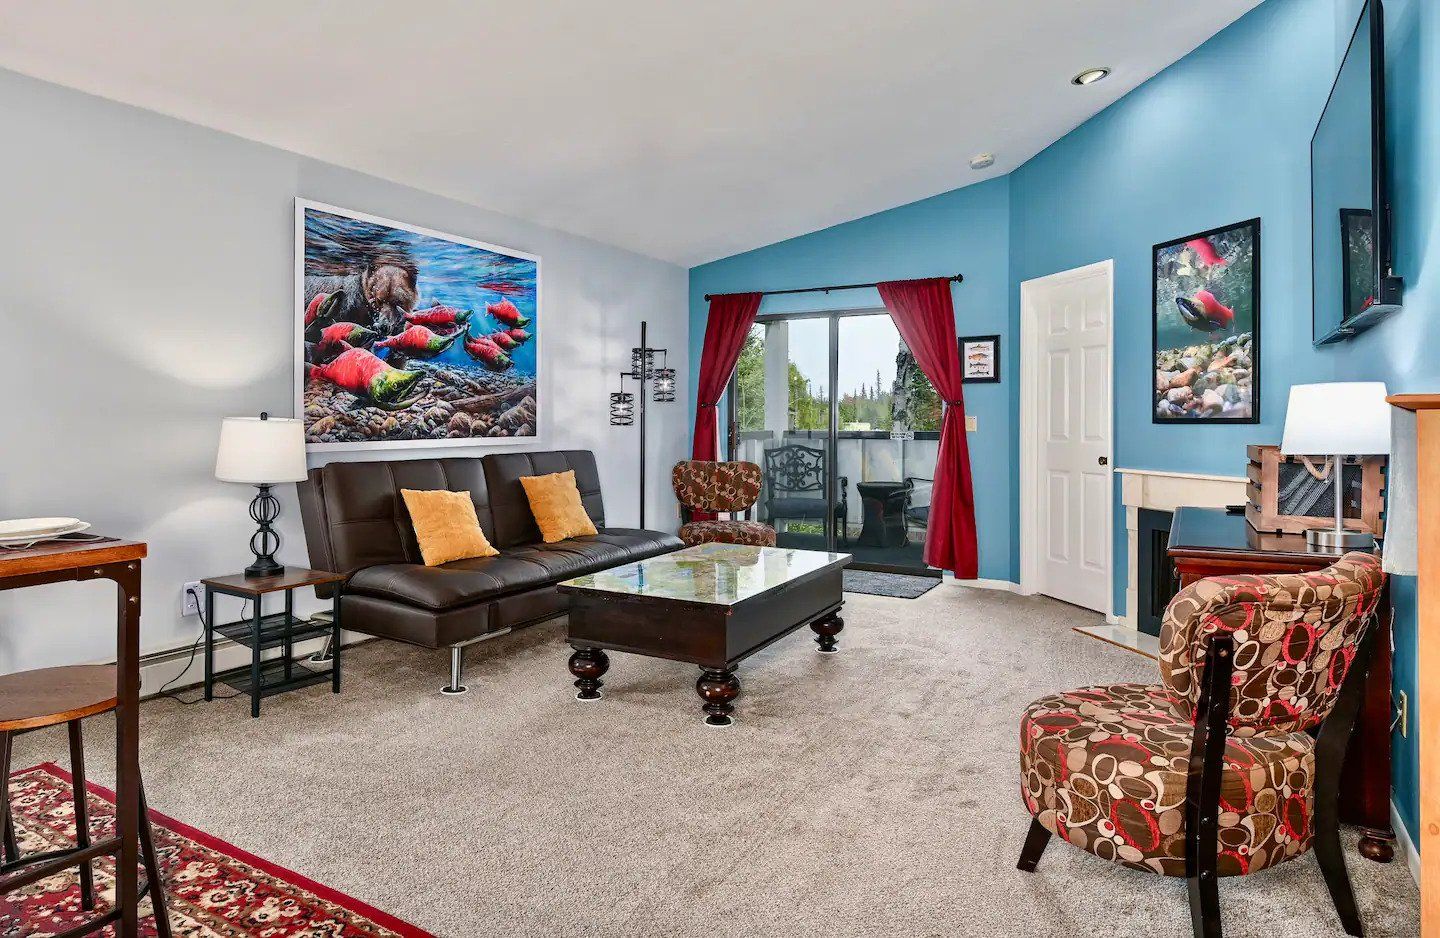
1204	906
11	851
1330	751
1202	787
1035	842
1332	864
82	812
152	869
7	823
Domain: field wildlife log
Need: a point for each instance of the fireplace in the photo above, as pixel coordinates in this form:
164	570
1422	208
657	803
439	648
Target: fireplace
1157	581
1150	496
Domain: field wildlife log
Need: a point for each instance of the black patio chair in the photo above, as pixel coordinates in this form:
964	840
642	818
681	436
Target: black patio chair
916	515
795	487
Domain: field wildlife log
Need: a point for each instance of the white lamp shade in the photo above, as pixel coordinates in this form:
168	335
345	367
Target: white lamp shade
261	451
1345	418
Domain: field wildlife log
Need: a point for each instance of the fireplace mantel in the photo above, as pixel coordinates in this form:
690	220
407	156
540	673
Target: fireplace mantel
1160	490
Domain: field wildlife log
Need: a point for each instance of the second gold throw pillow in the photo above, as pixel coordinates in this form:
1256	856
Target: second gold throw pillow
446	526
555	503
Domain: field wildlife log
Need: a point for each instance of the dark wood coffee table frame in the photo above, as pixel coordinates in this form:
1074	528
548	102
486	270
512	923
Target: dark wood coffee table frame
713	636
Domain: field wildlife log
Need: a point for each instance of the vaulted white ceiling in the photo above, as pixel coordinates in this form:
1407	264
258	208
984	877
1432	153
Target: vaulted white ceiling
683	129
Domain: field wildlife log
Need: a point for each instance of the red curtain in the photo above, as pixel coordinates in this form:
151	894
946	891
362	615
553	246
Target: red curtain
730	319
925	316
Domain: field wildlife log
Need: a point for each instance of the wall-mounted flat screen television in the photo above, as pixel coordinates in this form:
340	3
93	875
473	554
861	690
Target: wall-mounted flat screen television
1350	201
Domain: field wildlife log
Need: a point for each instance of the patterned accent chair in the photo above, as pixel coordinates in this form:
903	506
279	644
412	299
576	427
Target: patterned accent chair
1231	764
714	487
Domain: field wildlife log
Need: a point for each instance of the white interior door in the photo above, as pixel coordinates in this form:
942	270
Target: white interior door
1067	351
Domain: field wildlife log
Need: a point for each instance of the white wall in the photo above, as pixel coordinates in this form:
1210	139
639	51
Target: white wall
146	271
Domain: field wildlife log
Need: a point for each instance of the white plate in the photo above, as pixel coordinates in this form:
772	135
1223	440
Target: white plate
75	528
19	527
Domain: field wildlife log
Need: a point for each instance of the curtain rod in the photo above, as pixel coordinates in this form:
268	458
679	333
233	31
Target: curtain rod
842	286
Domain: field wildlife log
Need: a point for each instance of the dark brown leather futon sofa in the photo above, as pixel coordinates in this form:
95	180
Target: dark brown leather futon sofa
356	523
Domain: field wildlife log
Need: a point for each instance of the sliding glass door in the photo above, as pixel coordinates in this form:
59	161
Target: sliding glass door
781	420
844	426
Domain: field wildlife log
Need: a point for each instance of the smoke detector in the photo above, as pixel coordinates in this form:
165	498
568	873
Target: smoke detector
982	161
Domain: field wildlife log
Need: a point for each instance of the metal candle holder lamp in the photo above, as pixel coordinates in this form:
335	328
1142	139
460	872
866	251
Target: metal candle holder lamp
656	382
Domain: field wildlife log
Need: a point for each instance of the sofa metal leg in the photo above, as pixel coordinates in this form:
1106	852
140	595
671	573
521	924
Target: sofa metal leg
457	666
1035	842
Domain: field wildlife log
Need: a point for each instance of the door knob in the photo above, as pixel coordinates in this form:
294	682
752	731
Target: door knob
1104	460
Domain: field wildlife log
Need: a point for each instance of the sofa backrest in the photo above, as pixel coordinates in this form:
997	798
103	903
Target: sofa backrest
355	517
514	522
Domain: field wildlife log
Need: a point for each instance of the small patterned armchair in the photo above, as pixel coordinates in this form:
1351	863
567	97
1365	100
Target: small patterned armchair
715	487
1232	763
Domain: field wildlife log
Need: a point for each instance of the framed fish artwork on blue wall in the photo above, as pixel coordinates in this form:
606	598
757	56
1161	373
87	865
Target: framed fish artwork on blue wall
1206	326
409	337
980	359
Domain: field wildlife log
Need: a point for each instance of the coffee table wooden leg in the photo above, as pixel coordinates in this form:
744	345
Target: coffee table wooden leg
825	631
589	665
717	687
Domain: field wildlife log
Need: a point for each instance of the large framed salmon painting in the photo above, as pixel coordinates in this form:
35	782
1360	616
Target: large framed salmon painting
1206	326
409	337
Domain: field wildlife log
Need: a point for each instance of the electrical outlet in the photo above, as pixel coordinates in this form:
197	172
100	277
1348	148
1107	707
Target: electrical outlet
190	595
972	423
1404	715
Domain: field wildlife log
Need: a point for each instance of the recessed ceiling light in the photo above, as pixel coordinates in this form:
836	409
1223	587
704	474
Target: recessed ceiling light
1090	76
982	161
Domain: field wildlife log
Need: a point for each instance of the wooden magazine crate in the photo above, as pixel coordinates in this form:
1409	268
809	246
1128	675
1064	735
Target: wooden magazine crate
1284	496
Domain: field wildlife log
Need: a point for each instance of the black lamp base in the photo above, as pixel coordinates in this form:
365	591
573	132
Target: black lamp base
264	508
265	566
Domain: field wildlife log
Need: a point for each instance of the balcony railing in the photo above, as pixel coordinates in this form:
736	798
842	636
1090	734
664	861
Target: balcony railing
863	456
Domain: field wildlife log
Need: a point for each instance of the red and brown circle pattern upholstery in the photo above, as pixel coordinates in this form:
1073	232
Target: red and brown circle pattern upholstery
705	486
1105	767
1295	636
728	532
702	485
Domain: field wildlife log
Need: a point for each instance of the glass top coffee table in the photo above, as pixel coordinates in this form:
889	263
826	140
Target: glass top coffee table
712	605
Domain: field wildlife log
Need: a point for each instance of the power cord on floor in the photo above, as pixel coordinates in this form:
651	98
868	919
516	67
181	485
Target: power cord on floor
204	627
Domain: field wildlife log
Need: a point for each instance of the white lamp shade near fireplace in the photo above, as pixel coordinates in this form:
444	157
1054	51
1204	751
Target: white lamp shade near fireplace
1348	418
261	450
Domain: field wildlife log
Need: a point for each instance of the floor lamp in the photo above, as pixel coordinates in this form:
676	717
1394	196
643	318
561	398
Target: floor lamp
658	382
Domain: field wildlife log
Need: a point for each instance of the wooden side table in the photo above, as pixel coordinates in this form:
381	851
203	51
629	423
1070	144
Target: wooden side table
1210	542
260	633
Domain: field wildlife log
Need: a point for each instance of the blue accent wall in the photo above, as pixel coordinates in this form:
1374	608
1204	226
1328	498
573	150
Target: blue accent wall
1220	136
1404	350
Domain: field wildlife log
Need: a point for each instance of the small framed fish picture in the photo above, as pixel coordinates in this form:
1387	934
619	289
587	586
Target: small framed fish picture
980	359
1206	327
409	337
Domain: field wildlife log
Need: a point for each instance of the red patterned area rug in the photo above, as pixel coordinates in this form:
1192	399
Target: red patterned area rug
215	889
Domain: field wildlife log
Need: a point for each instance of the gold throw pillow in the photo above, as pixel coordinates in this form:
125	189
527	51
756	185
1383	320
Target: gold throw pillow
555	503
446	526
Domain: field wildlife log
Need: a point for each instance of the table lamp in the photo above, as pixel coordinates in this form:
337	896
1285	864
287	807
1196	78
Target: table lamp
262	451
1344	418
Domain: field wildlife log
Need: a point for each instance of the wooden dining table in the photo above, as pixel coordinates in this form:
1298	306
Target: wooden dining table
117	560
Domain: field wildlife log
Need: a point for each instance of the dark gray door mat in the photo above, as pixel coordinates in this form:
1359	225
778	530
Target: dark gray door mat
901	585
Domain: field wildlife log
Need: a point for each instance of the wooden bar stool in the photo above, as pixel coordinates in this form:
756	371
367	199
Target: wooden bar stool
32	700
